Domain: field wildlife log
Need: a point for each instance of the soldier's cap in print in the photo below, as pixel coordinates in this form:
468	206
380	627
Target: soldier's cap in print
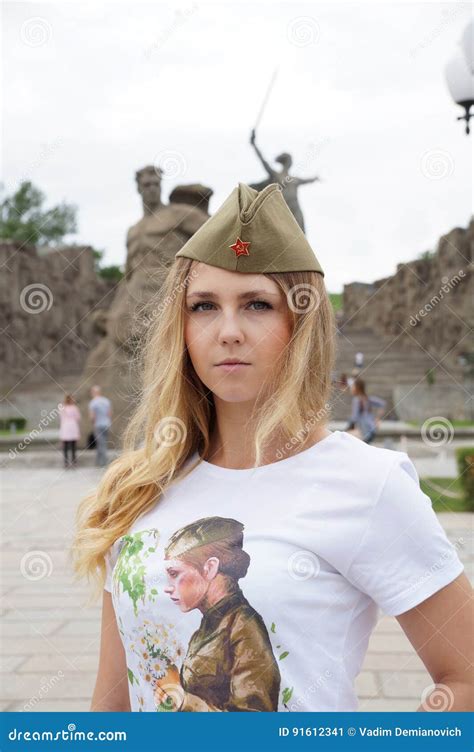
254	232
201	533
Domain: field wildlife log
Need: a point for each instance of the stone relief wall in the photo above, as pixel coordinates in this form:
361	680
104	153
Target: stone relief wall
51	308
427	301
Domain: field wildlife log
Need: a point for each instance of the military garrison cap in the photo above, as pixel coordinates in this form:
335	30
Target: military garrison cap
201	532
254	232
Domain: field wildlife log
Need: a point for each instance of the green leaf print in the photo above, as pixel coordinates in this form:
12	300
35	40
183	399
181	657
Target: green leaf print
287	692
130	568
165	707
131	676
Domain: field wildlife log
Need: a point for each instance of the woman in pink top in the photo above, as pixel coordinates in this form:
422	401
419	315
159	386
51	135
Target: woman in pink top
69	428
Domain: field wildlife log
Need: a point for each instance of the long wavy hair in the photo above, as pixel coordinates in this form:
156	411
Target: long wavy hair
174	416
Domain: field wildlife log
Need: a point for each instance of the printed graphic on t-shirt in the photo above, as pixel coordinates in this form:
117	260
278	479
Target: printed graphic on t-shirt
229	663
276	615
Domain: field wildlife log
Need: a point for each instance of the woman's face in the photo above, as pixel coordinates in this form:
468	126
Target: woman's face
186	585
230	315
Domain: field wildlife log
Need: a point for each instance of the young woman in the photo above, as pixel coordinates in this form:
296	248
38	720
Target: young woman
365	412
69	429
232	424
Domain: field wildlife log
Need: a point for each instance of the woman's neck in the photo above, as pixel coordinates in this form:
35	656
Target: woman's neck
236	453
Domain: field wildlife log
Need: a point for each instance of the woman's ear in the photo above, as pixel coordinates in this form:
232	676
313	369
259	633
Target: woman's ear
211	568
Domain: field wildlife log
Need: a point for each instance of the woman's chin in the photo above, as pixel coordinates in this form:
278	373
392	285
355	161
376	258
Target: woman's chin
235	395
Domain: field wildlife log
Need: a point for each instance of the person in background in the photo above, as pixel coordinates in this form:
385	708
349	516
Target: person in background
359	360
69	429
365	416
352	377
341	382
100	413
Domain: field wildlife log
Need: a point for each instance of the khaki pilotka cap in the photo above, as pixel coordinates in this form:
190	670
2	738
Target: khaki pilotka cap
201	532
253	232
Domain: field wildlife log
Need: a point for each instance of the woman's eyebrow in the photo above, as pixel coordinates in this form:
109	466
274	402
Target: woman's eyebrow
242	296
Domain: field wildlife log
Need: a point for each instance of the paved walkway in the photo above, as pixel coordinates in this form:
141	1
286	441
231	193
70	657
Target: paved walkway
50	643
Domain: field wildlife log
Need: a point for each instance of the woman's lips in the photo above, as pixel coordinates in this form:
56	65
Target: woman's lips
231	367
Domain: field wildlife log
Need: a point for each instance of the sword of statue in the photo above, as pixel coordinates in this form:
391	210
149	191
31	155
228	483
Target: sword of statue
265	100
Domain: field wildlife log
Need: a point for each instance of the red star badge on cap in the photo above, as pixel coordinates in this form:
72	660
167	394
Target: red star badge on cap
240	247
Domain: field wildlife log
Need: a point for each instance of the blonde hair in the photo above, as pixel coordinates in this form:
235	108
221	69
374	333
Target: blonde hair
174	416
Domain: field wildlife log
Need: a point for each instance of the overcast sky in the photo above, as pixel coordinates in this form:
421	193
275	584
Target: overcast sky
95	91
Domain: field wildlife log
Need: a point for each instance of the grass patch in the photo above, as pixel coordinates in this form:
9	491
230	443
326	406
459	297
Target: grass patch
336	300
455	423
442	502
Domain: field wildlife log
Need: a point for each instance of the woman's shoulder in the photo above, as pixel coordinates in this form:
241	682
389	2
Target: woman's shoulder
370	465
353	449
245	619
71	408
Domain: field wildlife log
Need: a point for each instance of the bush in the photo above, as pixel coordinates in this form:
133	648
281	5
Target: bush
6	423
465	460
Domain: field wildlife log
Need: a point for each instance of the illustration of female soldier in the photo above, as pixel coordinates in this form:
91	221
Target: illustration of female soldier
229	665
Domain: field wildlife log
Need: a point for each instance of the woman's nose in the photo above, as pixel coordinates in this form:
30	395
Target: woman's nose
230	330
230	327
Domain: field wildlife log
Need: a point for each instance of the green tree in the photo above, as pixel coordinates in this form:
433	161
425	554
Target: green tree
23	218
113	272
425	255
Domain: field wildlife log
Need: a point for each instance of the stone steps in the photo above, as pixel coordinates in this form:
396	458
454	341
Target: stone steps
387	361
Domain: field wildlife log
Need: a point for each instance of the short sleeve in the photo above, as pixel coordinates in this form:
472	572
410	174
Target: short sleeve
404	555
108	569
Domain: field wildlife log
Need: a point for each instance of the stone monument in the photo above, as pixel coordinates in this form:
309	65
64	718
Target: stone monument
151	247
289	183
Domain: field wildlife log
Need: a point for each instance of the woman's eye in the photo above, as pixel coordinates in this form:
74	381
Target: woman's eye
260	302
197	305
263	303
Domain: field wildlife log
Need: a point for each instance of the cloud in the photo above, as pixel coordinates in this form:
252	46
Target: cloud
116	83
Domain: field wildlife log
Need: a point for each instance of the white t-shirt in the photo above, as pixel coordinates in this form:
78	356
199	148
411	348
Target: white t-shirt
332	533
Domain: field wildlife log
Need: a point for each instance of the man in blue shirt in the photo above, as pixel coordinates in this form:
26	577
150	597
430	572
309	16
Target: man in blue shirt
100	413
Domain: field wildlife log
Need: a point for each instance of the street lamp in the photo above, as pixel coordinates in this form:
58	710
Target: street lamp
467	44
460	83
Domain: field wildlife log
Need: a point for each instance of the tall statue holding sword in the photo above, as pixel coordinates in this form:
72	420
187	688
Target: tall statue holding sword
289	183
